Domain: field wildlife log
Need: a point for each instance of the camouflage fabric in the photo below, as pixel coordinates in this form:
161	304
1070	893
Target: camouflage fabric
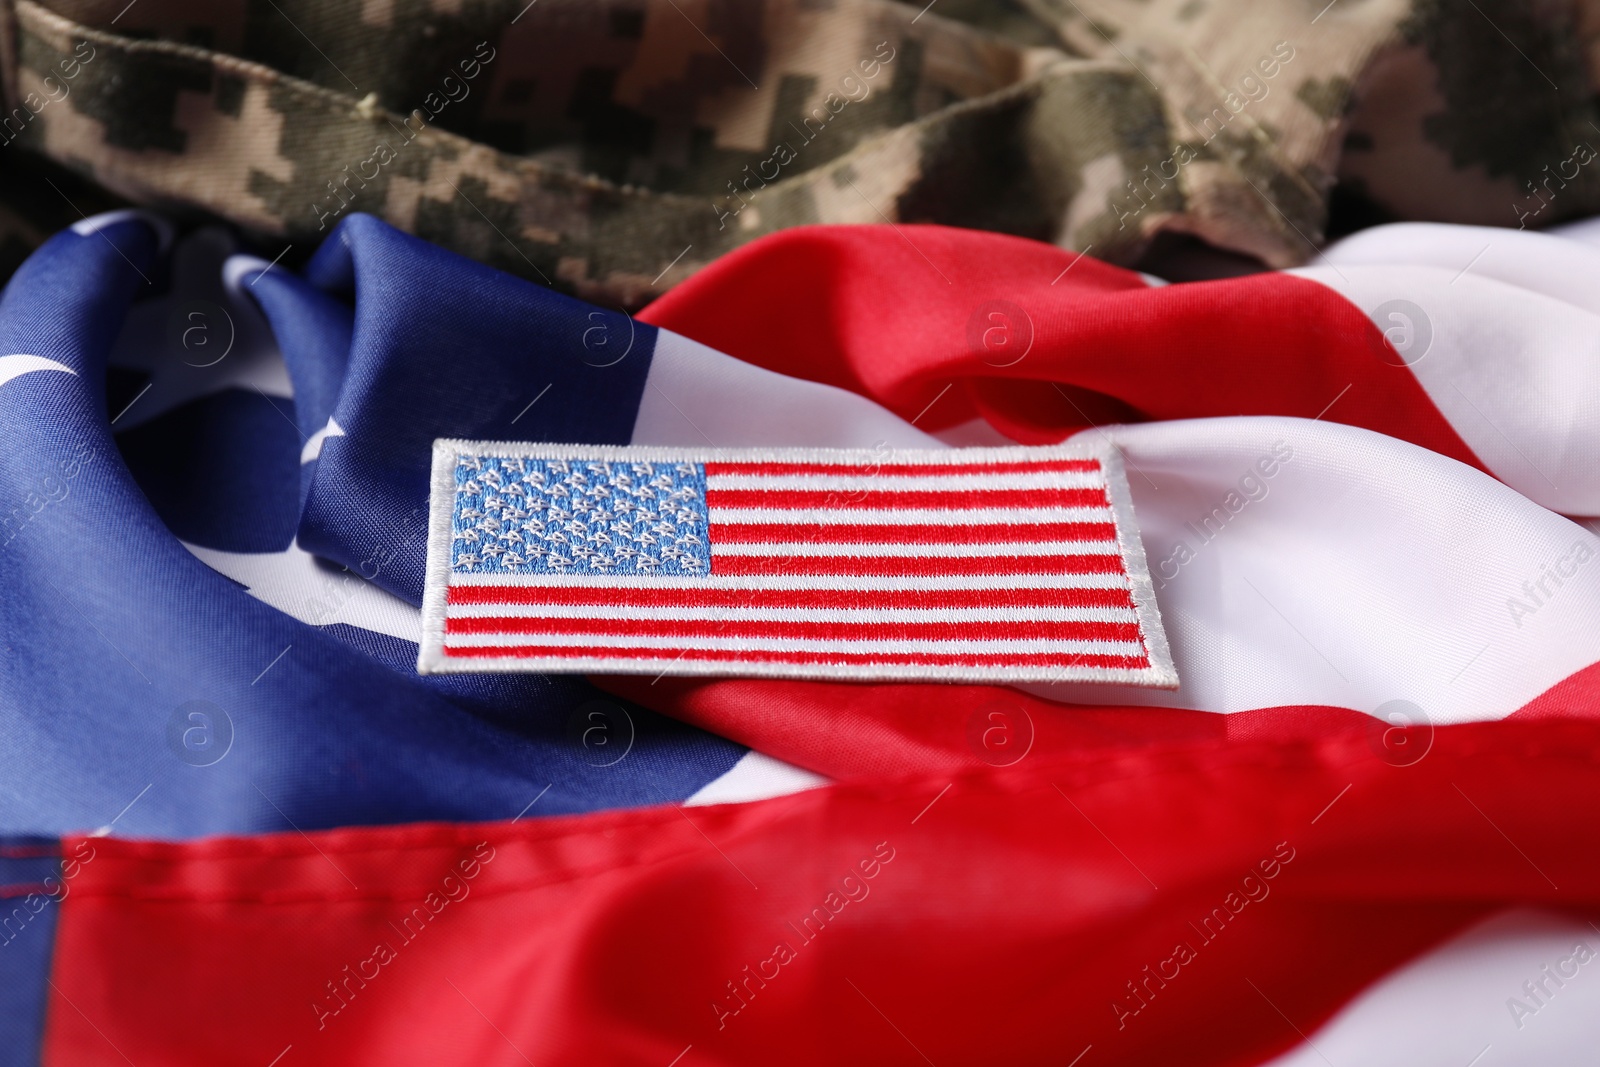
612	147
1474	111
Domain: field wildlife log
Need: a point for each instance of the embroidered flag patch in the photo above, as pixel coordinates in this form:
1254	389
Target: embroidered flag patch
980	564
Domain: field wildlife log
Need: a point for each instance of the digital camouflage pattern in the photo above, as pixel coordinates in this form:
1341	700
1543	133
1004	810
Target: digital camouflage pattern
612	147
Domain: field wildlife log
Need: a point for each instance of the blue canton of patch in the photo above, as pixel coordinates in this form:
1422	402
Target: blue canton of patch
579	517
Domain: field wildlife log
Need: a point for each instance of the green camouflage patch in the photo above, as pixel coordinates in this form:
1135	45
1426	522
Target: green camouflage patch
612	147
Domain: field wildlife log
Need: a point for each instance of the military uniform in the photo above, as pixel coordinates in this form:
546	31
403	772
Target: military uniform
612	148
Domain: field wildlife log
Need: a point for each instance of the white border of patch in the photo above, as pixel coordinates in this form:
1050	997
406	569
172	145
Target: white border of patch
1161	674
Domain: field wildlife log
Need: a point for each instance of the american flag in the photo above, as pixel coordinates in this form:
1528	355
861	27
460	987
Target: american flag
978	564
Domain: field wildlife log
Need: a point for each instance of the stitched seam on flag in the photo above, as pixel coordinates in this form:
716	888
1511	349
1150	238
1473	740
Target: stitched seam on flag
1138	568
818	671
829	456
1189	758
962	783
1347	750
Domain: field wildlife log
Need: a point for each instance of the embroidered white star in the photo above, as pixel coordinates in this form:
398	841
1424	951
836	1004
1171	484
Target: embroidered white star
529	516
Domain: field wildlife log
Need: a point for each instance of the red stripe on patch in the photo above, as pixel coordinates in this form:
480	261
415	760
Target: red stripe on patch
844	631
644	596
733	659
873	499
870	470
911	533
906	566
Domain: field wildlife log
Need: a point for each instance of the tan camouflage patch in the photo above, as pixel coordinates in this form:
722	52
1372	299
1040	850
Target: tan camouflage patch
1413	177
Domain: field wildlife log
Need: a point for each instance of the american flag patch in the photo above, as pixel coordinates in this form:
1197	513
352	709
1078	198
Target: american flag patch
981	564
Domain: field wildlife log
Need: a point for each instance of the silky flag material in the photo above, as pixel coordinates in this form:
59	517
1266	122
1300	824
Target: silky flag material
997	564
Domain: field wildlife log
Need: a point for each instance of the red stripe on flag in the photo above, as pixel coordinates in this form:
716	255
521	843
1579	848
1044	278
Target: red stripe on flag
1106	346
995	864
